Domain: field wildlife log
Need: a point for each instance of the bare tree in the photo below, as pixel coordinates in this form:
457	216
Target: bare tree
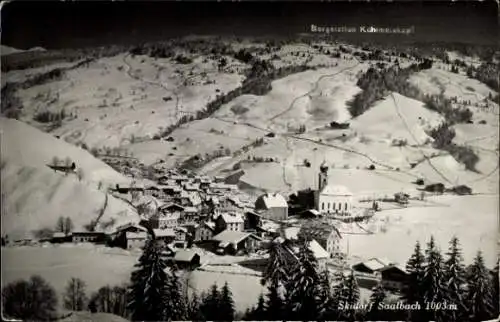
80	174
60	225
68	225
55	161
32	300
74	297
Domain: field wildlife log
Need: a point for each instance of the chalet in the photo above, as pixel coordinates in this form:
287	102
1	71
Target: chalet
222	188
164	220
310	213
293	249
180	179
391	275
229	221
462	190
189	199
190	214
402	198
235	242
60	237
119	237
186	259
181	237
326	235
167	235
135	240
206	230
152	191
394	277
253	220
87	237
272	206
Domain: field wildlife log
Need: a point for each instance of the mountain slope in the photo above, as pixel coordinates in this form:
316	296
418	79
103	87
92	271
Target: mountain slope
34	196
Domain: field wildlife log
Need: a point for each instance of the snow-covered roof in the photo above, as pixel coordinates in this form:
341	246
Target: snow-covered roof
139	235
375	264
318	251
273	200
335	190
210	224
291	233
190	209
58	235
233	219
230	236
169	232
185	255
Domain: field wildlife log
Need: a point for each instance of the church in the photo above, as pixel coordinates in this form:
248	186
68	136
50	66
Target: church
329	199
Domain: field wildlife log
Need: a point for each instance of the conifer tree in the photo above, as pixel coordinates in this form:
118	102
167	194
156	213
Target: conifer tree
194	309
176	305
210	304
496	290
433	281
259	312
148	293
302	300
480	291
324	293
413	292
226	304
276	270
274	303
454	281
349	295
378	296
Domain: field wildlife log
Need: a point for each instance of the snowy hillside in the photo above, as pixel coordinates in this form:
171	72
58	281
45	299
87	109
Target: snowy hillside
34	196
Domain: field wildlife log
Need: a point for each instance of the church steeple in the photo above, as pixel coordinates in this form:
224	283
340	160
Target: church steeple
323	176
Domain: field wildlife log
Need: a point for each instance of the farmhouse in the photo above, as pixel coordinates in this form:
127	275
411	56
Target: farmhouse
391	275
332	199
206	231
272	206
120	235
186	259
236	242
167	235
165	220
87	237
229	221
135	240
326	235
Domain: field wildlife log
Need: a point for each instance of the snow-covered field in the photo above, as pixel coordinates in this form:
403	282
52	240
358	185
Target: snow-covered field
35	196
473	219
99	266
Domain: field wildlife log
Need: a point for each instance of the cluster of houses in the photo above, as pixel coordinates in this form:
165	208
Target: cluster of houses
210	213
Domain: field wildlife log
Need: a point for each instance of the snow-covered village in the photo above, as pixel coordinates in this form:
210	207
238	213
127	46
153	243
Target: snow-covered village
220	178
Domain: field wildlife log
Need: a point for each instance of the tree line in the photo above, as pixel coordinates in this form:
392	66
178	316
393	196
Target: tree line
297	289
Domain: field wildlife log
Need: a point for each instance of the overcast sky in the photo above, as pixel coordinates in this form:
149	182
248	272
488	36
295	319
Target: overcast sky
70	24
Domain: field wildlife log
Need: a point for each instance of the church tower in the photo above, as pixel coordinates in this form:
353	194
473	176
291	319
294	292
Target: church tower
323	176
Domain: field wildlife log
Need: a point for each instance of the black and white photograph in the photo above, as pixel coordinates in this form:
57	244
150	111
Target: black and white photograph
250	161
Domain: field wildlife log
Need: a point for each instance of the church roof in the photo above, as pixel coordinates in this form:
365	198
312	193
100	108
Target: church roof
335	190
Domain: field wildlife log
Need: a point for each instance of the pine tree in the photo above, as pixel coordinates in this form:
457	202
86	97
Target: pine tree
454	280
480	295
210	305
302	300
276	270
176	306
259	312
74	297
194	310
378	296
274	303
433	281
324	293
226	304
496	284
148	293
349	295
413	292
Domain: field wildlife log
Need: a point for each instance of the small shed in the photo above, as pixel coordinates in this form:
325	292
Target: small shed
187	259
